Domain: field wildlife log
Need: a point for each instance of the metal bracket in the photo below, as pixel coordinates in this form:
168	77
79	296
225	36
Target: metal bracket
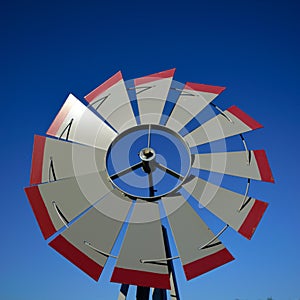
221	112
144	88
101	100
183	93
248	152
210	243
68	128
144	261
246	201
99	251
60	214
248	158
51	170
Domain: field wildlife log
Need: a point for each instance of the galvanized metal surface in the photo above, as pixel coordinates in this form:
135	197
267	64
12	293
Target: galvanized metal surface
190	234
247	164
233	121
75	122
143	240
112	102
151	95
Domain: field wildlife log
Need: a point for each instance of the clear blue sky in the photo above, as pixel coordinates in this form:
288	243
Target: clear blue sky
51	48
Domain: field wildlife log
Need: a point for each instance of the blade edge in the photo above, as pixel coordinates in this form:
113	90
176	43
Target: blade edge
40	211
141	278
253	218
74	255
206	264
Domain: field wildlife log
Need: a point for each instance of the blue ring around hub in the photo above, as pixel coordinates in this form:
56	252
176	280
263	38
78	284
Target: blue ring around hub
125	169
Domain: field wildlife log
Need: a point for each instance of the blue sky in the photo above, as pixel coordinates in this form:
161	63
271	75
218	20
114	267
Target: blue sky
49	49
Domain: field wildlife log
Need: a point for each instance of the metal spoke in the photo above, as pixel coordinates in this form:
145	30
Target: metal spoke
149	131
127	170
169	171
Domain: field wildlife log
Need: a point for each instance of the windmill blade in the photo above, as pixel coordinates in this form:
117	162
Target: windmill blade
112	102
141	259
248	164
54	159
56	203
89	241
231	122
193	99
199	249
151	95
240	213
77	123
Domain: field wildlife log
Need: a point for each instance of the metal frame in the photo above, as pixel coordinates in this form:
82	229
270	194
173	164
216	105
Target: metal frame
140	164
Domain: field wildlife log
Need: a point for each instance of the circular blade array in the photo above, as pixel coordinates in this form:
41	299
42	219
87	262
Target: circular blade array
132	156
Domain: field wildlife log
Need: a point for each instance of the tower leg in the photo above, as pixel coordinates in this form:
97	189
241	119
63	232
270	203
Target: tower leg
123	292
159	294
142	293
174	292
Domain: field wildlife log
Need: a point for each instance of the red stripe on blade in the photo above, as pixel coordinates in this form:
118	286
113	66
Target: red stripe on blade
62	114
103	87
207	263
40	211
250	122
253	218
154	77
74	255
204	88
37	159
141	278
263	165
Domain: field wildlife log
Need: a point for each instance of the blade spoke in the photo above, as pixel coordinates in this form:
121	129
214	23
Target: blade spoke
169	171
149	136
127	170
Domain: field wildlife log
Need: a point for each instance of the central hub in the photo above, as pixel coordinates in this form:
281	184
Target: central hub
147	154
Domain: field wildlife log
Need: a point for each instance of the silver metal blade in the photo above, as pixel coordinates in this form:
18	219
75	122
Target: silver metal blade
193	99
143	246
77	123
200	251
247	164
233	121
112	102
57	203
151	94
54	159
89	241
239	212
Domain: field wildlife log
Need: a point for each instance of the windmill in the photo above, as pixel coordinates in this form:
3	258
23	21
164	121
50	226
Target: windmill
132	156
